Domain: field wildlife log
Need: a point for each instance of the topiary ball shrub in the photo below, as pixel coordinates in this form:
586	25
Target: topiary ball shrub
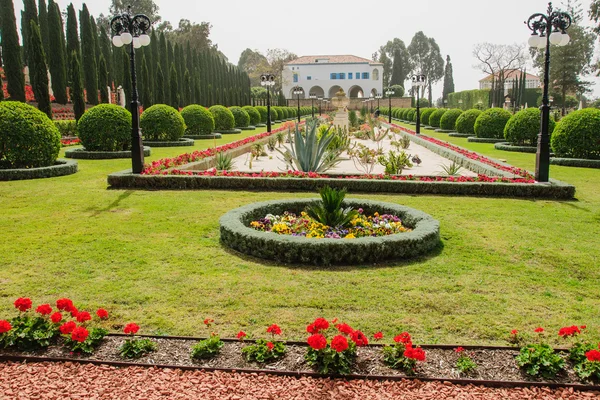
578	135
491	123
436	116
262	110
425	114
241	117
523	127
28	138
253	114
224	120
162	123
466	121
448	120
198	120
105	127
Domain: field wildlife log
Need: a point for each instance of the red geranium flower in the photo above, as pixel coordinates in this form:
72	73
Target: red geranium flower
270	346
64	304
5	326
79	334
593	355
73	310
583	327
208	322
131	328
44	309
339	343
569	331
83	316
344	328
459	349
23	303
539	330
514	332
274	329
67	327
415	353
359	338
378	336
102	313
56	317
241	335
319	325
317	341
404	338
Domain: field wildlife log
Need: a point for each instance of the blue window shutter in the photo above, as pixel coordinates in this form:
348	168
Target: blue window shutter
349	75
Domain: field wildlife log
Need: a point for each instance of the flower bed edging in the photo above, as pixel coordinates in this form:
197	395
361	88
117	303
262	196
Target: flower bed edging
229	131
460	135
61	168
211	136
474	139
81	154
505	146
247	128
236	234
180	143
440	130
575	162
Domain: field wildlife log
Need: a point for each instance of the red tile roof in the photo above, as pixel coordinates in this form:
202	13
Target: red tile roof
345	59
510	74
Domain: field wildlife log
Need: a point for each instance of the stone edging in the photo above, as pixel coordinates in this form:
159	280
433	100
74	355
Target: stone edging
81	154
180	143
61	168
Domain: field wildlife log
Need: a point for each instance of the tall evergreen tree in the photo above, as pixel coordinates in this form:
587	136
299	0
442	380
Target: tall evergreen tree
77	96
103	80
72	37
56	59
13	65
38	71
174	87
126	75
448	79
43	18
106	50
187	88
145	81
159	94
164	65
29	14
152	61
88	50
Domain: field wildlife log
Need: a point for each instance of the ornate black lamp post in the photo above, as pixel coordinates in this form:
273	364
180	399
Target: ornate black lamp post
378	97
418	82
298	91
312	104
132	29
268	80
547	29
389	93
320	103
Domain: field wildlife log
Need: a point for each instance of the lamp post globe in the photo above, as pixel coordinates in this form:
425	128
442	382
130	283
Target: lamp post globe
418	81
267	81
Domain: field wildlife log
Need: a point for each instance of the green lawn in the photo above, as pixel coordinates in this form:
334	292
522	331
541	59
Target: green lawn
155	258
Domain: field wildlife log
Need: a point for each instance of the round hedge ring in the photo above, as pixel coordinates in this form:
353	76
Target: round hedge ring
236	234
448	120
491	123
436	116
105	128
183	142
162	123
523	127
61	167
465	123
28	138
198	120
578	135
224	120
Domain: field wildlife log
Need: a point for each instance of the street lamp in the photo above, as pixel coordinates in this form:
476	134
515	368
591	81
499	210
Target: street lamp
268	80
546	30
379	96
320	102
133	29
298	91
418	81
389	93
312	104
371	99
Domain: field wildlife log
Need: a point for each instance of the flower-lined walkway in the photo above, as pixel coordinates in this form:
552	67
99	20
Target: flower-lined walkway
79	381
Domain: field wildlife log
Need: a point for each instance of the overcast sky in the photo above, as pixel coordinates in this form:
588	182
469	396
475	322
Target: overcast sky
318	27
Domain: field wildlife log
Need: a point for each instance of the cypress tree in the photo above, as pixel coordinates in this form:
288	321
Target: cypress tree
29	13
397	69
164	65
152	61
43	18
105	50
88	50
197	92
159	96
38	70
103	80
76	87
56	54
13	65
72	37
146	89
126	75
174	89
187	88
97	50
448	79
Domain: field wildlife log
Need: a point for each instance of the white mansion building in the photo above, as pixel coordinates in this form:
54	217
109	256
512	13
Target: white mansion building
531	81
324	76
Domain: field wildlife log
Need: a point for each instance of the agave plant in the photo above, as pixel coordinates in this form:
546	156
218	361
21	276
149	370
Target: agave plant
224	162
329	210
452	169
307	153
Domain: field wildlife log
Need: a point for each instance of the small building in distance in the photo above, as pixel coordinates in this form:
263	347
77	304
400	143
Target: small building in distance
531	81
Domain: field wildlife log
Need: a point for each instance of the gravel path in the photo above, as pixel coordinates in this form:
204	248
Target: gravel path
22	381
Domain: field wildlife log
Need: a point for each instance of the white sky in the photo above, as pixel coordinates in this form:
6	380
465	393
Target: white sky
315	27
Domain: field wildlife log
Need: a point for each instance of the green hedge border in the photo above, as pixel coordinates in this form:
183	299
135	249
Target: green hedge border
575	162
505	146
474	139
61	168
460	135
440	130
180	143
201	137
261	125
236	234
80	154
229	131
247	128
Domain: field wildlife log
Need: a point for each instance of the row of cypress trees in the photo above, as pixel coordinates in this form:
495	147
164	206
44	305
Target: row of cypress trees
167	72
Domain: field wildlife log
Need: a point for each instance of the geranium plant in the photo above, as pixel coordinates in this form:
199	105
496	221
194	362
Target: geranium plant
403	355
590	367
539	359
29	331
265	350
210	347
464	363
135	347
82	338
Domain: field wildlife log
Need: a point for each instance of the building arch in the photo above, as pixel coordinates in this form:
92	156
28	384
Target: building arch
317	91
356	92
333	90
374	93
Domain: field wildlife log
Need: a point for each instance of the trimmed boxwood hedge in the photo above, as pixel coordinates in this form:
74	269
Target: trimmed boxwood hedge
505	146
425	114
241	117
524	127
575	162
491	123
578	135
83	154
475	139
200	137
254	115
162	123
448	120
465	123
162	143
435	117
236	233
60	168
105	128
262	110
224	120
198	120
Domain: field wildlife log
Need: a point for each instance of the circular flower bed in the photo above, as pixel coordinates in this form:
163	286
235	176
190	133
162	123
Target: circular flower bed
420	237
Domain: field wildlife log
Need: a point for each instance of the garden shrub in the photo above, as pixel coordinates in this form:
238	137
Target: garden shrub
224	120
241	117
403	114
436	116
524	127
466	121
425	115
276	113
448	120
254	115
105	127
411	114
491	123
162	123
262	110
28	138
67	127
578	135
198	120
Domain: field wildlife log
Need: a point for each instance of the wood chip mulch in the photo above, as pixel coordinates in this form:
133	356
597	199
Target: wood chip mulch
23	381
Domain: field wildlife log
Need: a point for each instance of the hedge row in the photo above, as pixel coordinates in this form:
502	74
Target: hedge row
575	162
83	154
236	233
61	168
505	146
179	143
475	139
210	136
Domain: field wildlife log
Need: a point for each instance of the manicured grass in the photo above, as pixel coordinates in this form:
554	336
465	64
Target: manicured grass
155	258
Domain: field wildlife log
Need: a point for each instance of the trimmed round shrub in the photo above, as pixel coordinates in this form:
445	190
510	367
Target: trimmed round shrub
262	110
198	120
411	114
578	135
253	114
403	113
524	127
425	113
241	117
466	121
396	112
277	113
436	116
105	127
224	120
28	138
448	120
162	123
491	123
